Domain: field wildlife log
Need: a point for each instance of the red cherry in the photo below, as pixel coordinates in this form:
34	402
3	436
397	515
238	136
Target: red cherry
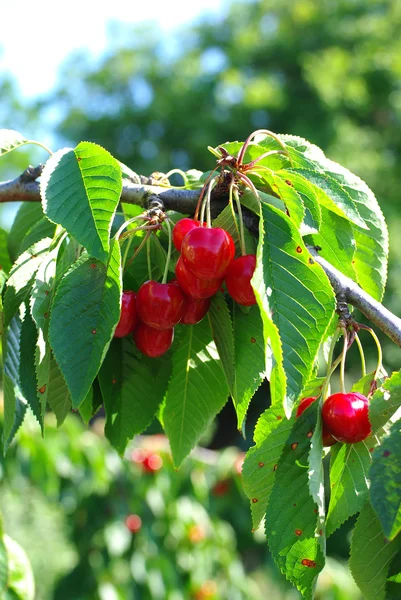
208	252
328	439
152	342
133	523
181	228
195	310
152	463
192	285
160	305
238	279
346	417
128	316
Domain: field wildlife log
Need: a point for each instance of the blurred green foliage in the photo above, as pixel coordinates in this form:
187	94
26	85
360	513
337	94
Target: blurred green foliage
66	500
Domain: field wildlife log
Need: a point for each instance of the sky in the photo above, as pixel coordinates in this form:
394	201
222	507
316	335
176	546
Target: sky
35	38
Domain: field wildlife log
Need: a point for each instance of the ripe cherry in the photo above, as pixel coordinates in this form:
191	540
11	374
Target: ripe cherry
133	523
238	279
195	310
152	342
128	316
328	439
181	228
346	417
160	305
192	285
208	252
152	463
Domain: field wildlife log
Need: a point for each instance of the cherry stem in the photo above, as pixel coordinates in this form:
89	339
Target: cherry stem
326	384
126	223
165	274
148	258
254	134
248	183
202	194
206	203
343	357
35	143
251	164
127	247
378	346
137	251
179	172
241	222
233	214
362	354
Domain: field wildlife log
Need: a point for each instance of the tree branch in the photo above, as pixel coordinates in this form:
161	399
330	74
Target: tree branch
26	188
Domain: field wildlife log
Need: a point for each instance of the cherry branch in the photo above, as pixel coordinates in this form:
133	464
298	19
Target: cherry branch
143	191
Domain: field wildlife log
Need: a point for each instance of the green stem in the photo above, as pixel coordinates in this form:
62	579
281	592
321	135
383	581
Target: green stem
35	143
127	247
137	251
378	346
241	223
329	372
362	354
343	357
126	223
179	172
148	259
165	274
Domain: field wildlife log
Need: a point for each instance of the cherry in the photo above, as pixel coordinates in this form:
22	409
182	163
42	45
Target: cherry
192	285
152	342
238	279
152	463
160	305
346	417
181	228
207	252
328	439
128	316
195	310
133	523
221	488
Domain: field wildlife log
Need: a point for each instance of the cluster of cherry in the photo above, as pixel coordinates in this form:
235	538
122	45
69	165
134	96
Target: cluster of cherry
206	262
345	417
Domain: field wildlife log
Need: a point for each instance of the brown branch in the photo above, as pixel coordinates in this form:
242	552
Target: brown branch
26	188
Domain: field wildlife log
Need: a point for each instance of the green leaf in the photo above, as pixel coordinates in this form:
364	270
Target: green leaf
250	360
27	374
296	303
292	522
92	403
80	190
316	471
333	196
27	216
385	474
132	390
306	191
20	579
371	555
349	481
228	220
58	395
368	383
5	263
259	468
14	402
385	402
371	245
21	278
41	229
288	194
84	314
337	242
197	389
43	289
222	329
10	140
137	272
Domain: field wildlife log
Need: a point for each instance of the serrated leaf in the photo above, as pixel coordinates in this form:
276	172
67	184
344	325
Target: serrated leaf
385	402
21	278
255	150
84	314
228	220
371	555
313	216
288	194
14	402
337	242
132	390
91	404
349	481
10	140
292	522
40	230
259	468
27	216
368	383
385	474
27	374
197	389
296	303
371	246
250	360
5	263
58	395
43	288
80	190
222	329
